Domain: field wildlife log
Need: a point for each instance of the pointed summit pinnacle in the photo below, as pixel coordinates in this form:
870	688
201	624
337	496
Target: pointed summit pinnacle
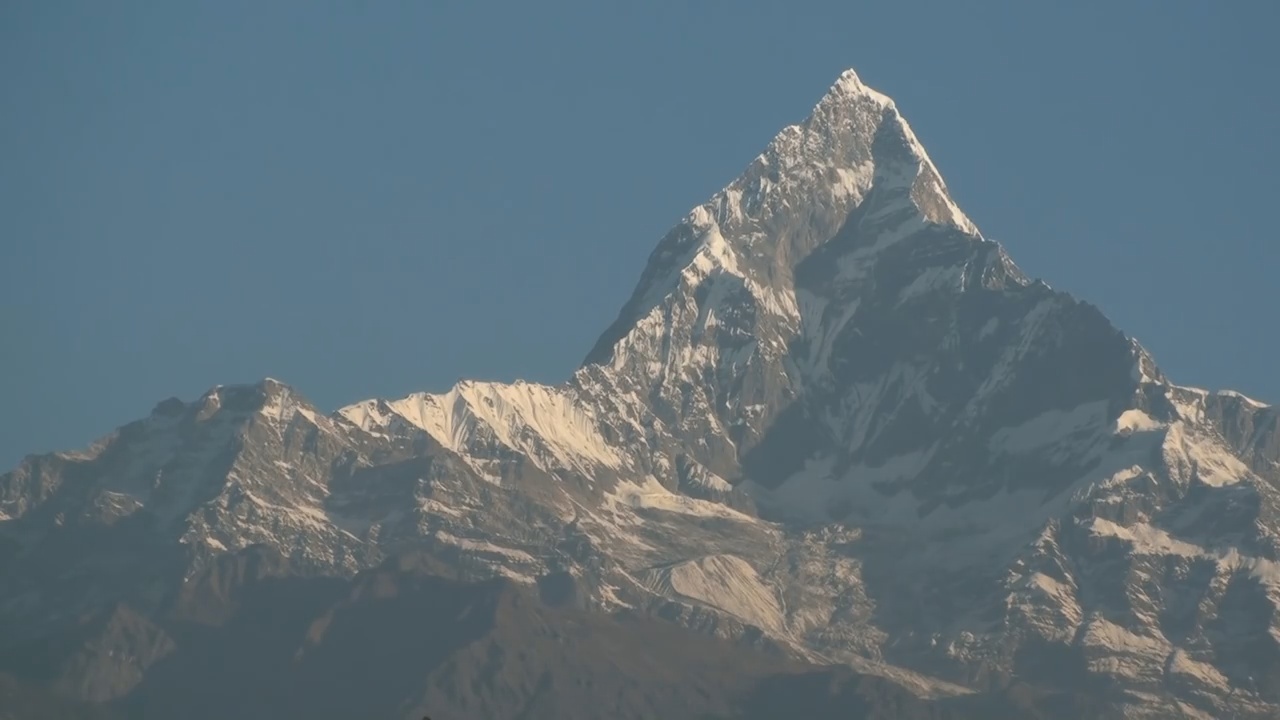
854	152
848	85
848	80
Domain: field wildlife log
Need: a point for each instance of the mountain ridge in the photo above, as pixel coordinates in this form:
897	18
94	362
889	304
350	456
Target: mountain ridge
831	418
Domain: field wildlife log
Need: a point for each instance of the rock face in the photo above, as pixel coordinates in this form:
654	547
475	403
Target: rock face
833	425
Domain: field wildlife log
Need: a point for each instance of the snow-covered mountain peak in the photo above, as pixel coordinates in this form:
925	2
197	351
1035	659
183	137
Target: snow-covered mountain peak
854	159
831	414
848	81
263	388
858	119
268	396
847	88
547	424
854	114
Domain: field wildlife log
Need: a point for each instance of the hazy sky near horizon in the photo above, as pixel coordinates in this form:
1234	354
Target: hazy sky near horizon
378	198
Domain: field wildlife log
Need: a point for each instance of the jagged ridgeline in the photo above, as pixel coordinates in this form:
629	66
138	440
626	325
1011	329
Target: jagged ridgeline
836	457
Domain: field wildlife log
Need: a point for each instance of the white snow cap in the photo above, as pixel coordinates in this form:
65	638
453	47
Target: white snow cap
848	80
849	85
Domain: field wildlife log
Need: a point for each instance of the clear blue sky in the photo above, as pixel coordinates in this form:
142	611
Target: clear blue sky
369	199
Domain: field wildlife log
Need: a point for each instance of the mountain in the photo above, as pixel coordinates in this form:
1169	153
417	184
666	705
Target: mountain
836	454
